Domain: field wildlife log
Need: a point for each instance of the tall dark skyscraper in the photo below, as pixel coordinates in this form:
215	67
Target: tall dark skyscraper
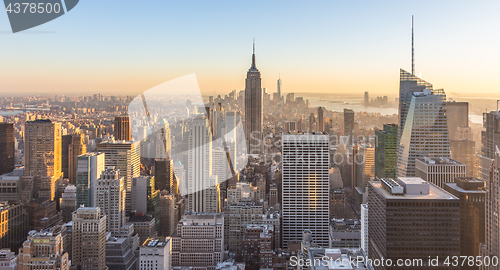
367	99
164	174
321	120
6	148
349	124
122	128
73	145
253	109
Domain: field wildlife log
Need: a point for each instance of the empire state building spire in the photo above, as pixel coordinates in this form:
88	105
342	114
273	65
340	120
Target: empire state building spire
253	67
253	109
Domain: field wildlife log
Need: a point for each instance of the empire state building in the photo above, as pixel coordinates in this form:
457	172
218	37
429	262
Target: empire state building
253	109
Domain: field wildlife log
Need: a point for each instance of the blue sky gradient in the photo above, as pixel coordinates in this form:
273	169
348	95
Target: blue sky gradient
126	47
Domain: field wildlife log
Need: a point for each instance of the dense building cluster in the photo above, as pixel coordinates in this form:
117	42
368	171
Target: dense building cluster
87	183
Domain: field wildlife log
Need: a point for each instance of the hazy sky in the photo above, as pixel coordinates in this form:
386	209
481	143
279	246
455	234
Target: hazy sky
126	47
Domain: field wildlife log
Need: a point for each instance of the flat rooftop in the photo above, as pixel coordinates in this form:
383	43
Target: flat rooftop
461	190
439	161
155	242
435	193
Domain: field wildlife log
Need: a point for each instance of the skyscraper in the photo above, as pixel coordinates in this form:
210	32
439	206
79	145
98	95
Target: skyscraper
89	169
321	120
386	151
202	187
425	127
367	100
73	145
89	239
462	144
471	193
349	125
490	139
124	156
412	219
7	141
164	175
110	198
491	246
253	109
122	128
279	90
42	156
305	182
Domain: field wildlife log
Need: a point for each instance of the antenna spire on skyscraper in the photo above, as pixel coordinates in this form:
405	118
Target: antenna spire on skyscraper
253	57
412	49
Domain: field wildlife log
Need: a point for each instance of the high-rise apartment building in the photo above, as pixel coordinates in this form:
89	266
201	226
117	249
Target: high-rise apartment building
253	109
155	254
122	128
439	170
425	128
305	186
42	156
491	245
73	145
412	219
89	169
202	187
349	125
386	151
89	239
198	241
7	143
110	198
124	156
43	250
471	193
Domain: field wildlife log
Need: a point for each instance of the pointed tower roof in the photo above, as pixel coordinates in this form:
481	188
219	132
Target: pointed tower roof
253	67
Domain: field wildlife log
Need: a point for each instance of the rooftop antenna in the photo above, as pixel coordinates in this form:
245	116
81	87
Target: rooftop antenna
412	49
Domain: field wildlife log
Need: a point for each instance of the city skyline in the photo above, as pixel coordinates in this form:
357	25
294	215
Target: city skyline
318	52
